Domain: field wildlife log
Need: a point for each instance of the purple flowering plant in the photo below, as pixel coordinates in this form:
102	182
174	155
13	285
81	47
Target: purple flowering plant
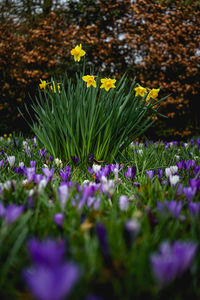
111	237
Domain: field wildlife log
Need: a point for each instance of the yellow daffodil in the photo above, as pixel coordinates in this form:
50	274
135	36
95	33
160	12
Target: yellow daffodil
77	52
90	80
140	91
43	84
53	88
107	83
153	94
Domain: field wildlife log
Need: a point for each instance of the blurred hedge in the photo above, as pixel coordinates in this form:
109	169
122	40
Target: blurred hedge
156	41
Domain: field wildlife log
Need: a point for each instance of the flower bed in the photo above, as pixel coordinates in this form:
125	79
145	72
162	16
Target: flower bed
125	230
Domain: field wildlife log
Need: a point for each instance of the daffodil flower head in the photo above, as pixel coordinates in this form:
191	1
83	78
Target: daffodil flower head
141	91
153	94
107	83
78	52
90	80
43	84
53	87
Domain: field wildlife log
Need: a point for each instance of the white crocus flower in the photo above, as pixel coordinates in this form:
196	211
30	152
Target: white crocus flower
96	168
168	172
186	145
173	169
11	160
140	151
42	185
104	180
86	182
109	187
173	179
58	162
31	192
21	164
7	185
123	203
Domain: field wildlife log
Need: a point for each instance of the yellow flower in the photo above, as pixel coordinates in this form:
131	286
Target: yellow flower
43	84
77	52
107	83
53	88
140	91
153	94
90	80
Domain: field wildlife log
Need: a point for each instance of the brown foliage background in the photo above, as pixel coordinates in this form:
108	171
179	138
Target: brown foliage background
159	43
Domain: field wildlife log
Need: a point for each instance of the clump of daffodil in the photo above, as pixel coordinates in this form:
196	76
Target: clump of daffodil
78	52
153	94
43	84
90	80
53	87
141	91
107	83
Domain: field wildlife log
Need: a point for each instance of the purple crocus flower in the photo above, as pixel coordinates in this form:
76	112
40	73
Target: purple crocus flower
1	163
107	170
179	189
47	252
189	193
180	165
174	207
75	159
185	252
63	193
91	157
58	219
194	208
33	163
38	178
192	143
20	170
50	159
43	153
88	191
196	170
103	241
97	203
13	212
198	143
130	173
3	153
1	188
194	183
172	261
65	175
30	172
160	174
90	201
150	173
189	163
50	278
48	173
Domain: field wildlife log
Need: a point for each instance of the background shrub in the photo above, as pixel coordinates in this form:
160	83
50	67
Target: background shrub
156	41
